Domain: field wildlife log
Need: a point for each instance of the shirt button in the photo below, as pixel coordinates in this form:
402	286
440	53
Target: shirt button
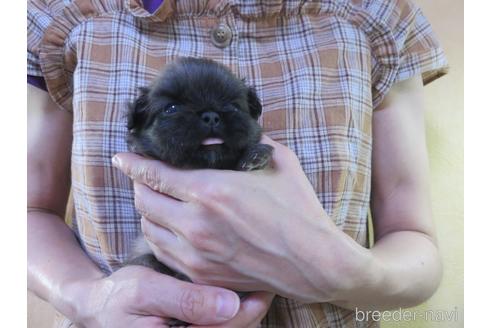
221	36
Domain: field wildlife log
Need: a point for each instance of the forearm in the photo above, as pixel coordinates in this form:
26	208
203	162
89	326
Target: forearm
404	271
55	261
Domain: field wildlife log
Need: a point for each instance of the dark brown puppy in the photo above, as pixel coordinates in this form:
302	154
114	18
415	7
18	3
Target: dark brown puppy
196	114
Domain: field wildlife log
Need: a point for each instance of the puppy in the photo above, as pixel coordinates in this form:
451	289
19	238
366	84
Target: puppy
196	114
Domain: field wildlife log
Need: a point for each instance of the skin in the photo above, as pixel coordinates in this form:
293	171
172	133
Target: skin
402	269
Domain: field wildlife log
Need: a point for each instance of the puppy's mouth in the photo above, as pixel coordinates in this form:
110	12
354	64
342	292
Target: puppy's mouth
212	141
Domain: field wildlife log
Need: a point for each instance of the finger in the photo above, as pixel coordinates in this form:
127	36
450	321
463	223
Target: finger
252	310
155	174
159	236
165	245
176	254
148	322
258	302
269	141
282	156
158	208
169	248
198	304
166	257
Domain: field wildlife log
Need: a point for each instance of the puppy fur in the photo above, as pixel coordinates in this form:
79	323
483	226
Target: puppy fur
171	118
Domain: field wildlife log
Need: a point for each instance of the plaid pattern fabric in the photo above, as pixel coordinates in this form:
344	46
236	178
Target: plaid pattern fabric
320	68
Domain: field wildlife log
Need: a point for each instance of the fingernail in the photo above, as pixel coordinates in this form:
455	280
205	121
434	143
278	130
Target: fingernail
115	160
227	305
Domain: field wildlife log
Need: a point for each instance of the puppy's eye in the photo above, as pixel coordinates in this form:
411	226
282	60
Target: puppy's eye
171	108
233	108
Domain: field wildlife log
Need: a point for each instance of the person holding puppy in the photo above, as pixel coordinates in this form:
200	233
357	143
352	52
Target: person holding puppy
341	87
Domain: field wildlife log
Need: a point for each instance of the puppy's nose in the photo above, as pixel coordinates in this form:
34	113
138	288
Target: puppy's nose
211	119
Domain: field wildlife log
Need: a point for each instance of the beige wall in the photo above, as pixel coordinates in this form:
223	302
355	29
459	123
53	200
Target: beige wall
445	141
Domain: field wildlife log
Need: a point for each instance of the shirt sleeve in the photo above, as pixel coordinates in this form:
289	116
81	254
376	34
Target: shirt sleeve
405	45
420	52
38	19
41	16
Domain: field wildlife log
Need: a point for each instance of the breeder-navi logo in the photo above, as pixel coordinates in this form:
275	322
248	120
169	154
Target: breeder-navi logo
407	315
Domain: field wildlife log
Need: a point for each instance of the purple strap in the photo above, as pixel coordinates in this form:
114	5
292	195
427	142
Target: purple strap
152	5
38	81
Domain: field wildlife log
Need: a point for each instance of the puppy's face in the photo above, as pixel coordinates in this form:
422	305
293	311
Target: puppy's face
197	114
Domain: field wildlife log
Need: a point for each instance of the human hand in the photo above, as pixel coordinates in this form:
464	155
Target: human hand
253	309
136	296
247	231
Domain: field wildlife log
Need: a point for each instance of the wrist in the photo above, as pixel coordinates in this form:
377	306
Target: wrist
360	277
337	265
353	269
72	298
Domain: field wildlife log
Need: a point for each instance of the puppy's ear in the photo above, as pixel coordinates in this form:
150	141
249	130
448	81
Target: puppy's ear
137	108
254	103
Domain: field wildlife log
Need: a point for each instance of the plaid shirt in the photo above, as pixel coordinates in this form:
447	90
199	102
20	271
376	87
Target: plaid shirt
320	68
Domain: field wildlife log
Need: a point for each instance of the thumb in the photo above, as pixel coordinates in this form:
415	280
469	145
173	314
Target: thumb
193	303
253	309
283	157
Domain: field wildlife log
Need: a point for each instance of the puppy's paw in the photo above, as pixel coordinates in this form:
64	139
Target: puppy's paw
255	158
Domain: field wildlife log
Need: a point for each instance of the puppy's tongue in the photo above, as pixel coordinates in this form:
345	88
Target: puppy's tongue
212	141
